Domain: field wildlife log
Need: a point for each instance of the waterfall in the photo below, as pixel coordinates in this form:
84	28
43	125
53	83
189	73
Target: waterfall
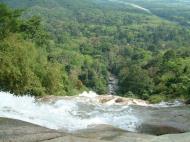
68	113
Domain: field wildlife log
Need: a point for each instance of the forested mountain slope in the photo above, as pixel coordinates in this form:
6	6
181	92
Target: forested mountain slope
79	42
174	10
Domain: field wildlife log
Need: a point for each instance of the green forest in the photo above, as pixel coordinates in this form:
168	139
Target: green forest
63	47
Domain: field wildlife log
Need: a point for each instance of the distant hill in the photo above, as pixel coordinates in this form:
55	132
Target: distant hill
144	43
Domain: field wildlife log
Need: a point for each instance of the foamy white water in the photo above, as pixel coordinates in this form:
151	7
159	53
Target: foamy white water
68	114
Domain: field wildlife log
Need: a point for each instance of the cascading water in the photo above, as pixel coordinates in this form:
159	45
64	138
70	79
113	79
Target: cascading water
112	85
69	114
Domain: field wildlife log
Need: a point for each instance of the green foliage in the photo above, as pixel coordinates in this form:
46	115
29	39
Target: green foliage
24	66
137	81
18	60
62	47
156	99
32	29
8	20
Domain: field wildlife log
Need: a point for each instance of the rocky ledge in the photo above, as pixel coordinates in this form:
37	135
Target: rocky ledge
19	131
92	97
97	99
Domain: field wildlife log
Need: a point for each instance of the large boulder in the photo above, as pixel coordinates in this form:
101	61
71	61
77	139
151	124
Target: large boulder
111	134
18	131
184	137
159	121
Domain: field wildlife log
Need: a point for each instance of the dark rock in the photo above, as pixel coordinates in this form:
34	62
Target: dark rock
187	102
159	121
119	100
156	128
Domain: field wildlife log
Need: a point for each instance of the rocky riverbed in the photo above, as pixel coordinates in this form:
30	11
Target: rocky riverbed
90	117
18	131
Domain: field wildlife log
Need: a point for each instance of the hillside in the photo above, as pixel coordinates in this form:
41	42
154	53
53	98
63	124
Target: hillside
63	47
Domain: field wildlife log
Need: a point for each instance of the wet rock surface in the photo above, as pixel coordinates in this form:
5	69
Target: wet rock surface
18	131
109	133
97	99
80	112
159	121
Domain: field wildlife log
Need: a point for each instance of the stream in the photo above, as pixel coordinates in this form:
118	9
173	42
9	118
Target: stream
85	110
69	113
112	84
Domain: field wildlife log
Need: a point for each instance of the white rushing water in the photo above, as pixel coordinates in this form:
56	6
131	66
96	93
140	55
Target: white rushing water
68	114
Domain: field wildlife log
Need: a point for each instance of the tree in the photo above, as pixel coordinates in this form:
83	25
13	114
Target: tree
33	30
8	20
136	81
